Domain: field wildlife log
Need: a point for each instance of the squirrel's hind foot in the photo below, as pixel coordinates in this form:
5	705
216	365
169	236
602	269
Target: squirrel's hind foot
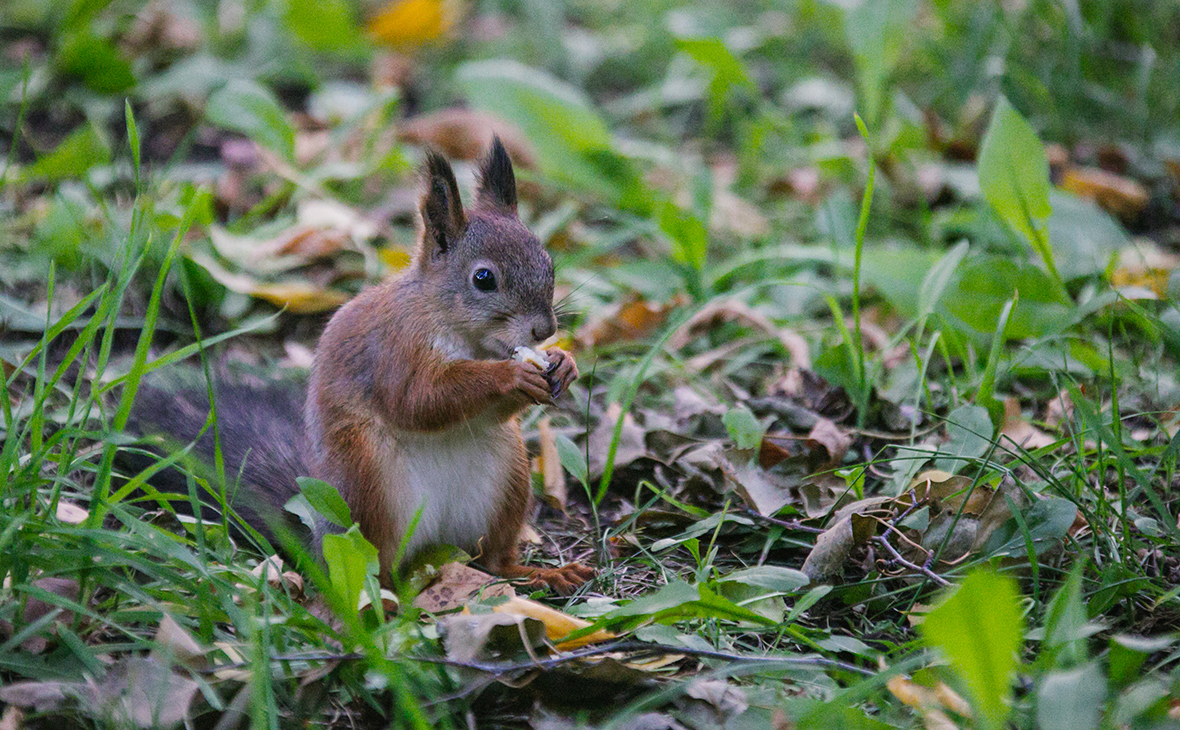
565	580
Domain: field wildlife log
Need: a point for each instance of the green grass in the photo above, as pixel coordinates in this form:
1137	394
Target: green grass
690	159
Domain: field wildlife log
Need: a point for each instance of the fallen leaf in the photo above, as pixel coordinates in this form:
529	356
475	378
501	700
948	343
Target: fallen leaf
1117	194
830	552
557	624
298	297
832	439
466	134
468	637
71	513
456	585
733	310
1144	265
174	644
631	443
633	319
36	609
1019	431
552	473
413	23
724	700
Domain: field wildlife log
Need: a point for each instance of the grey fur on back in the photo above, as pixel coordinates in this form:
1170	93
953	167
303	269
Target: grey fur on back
263	444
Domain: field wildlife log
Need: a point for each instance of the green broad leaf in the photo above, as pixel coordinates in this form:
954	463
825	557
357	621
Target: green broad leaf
715	56
981	287
743	427
71	159
573	459
897	273
323	25
351	559
938	278
1014	173
572	142
679	600
980	628
96	61
771	577
250	109
325	499
1067	626
1084	236
690	238
1048	522
728	72
877	33
1073	699
970	431
1128	654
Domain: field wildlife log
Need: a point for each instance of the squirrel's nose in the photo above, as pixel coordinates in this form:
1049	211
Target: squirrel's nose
544	329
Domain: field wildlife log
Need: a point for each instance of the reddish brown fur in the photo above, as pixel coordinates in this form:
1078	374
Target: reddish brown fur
379	368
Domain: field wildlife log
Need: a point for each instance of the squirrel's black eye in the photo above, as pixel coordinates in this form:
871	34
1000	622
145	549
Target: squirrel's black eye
484	280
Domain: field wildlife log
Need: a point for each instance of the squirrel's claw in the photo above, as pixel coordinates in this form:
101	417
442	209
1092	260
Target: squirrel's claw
562	371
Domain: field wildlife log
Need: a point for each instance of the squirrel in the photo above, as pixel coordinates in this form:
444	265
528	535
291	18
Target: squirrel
411	409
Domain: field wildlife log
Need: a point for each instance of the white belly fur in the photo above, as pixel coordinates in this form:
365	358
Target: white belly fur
456	477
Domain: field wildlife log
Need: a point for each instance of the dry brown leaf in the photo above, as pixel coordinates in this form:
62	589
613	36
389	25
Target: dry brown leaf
832	439
466	134
1144	267
36	609
552	473
298	297
631	441
1115	193
468	636
174	644
456	585
830	553
1059	410
929	702
731	310
1019	431
737	215
633	319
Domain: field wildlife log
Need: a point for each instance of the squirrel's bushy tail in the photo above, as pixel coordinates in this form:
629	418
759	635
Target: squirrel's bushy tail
260	431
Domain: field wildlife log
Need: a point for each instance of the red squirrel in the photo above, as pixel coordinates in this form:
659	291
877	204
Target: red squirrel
414	395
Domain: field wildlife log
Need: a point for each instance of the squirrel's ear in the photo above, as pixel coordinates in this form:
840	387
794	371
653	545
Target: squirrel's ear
497	182
442	210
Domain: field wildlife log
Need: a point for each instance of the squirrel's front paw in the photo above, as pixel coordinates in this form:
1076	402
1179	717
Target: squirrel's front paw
529	381
562	371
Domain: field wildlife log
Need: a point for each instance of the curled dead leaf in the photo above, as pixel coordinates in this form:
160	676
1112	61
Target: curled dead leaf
558	625
466	134
733	310
633	319
1117	194
552	473
1019	431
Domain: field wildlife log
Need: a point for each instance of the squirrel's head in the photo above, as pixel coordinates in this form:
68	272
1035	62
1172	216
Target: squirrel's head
494	278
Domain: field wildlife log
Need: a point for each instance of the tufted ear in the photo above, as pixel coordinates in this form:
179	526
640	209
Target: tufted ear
442	210
497	182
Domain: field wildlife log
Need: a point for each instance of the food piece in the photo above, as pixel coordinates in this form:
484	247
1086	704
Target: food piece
529	355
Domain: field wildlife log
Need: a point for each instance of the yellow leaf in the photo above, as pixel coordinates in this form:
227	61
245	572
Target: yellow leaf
557	624
413	22
299	297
